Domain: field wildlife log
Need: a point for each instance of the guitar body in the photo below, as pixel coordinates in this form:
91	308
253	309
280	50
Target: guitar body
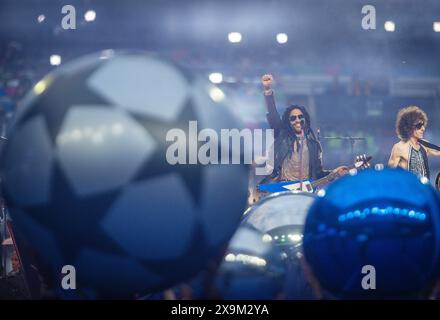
361	162
287	186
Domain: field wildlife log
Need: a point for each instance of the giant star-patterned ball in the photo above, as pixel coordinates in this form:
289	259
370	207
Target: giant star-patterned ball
88	184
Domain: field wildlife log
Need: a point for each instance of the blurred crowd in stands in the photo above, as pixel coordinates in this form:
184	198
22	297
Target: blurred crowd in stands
15	79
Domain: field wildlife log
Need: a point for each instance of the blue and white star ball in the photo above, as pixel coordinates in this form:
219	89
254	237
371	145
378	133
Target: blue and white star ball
87	180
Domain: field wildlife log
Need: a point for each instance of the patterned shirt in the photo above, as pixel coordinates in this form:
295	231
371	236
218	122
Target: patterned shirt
291	169
416	162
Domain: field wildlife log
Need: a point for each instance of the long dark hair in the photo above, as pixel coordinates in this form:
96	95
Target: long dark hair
288	127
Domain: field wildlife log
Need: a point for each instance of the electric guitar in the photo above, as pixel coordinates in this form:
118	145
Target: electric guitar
361	162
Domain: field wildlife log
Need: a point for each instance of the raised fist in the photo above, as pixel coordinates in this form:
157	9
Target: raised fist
267	80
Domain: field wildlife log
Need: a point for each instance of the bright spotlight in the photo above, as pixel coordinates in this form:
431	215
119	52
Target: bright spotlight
216	94
216	77
436	26
41	18
389	26
90	15
234	37
282	38
55	60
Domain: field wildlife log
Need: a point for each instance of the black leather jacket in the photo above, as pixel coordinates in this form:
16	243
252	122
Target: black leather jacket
284	143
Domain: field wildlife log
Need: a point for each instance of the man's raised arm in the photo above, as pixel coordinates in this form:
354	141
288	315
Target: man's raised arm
272	116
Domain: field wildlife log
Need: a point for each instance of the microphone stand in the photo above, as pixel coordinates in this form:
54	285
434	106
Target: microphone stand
352	141
301	146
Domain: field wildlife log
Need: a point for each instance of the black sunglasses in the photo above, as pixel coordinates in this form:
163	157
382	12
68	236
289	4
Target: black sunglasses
293	118
419	125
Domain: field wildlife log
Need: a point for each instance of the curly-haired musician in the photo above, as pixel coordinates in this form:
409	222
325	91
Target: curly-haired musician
409	153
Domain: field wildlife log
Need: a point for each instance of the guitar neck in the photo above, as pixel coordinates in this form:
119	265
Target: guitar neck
317	184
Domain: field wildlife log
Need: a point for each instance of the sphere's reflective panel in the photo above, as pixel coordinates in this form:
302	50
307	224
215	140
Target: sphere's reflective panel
252	268
281	218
